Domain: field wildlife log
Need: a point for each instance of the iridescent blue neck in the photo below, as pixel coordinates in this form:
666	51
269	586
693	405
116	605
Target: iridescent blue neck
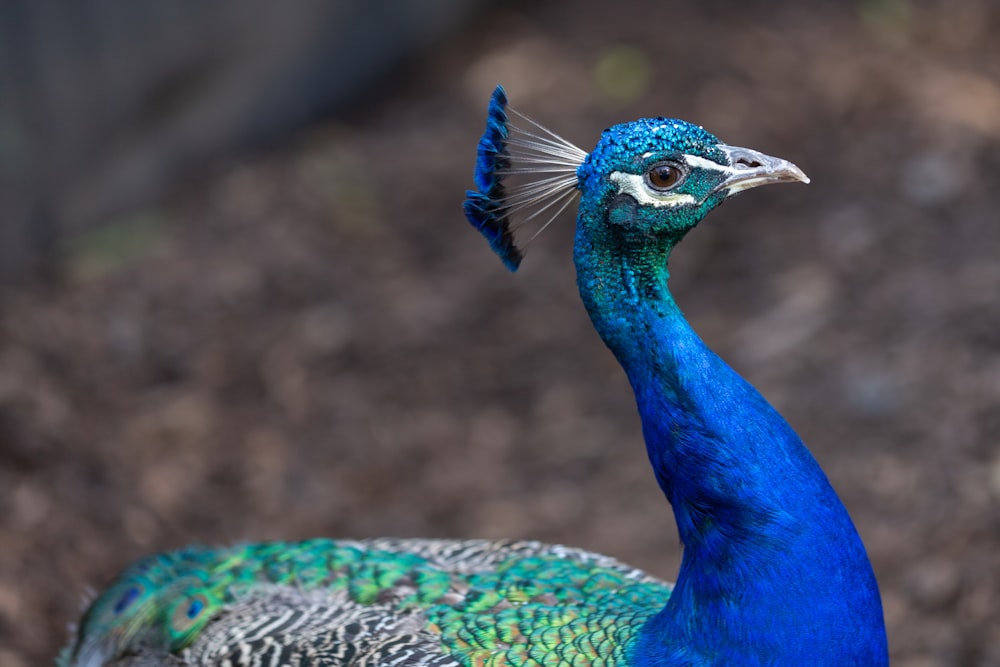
773	570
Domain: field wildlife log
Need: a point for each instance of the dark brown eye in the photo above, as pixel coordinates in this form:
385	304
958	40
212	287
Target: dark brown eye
664	176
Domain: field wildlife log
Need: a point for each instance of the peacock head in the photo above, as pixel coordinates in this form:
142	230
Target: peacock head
651	179
658	177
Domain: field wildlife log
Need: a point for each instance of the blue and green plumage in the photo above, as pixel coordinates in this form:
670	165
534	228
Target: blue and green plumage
773	571
460	603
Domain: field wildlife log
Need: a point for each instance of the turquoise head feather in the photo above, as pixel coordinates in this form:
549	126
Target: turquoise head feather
662	163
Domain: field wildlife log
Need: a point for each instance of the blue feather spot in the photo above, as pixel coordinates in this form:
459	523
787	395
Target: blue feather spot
127	598
196	607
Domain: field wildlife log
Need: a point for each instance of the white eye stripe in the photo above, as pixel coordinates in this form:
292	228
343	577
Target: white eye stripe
698	162
635	185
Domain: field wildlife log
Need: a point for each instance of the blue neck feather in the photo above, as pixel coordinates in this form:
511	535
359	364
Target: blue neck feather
773	570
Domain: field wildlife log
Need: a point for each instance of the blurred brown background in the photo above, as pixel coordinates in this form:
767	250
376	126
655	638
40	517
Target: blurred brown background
242	301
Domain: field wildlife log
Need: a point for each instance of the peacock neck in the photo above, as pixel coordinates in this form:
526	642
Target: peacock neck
767	543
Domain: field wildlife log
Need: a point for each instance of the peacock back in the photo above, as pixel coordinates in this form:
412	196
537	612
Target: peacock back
414	602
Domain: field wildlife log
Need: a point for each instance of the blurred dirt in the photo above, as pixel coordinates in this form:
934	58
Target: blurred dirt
312	341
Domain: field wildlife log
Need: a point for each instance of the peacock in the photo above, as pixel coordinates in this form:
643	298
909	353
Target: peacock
773	571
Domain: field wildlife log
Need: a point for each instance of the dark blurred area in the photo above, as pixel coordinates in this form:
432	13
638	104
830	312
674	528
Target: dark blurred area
106	105
242	301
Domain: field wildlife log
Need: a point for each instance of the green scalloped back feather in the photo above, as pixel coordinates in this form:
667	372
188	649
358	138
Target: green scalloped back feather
536	610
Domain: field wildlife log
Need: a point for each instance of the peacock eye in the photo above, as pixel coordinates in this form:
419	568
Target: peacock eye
664	176
127	598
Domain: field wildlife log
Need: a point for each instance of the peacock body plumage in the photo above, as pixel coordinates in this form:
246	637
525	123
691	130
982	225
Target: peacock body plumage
773	571
374	602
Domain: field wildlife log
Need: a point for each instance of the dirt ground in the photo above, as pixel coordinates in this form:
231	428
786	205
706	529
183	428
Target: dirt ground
312	341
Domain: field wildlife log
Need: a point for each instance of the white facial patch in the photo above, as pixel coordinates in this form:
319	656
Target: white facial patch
635	185
698	162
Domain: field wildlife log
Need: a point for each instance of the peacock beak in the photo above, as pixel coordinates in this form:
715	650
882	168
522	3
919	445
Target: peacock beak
749	168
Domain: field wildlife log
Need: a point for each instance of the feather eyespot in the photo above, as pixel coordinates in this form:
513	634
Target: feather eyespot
127	598
188	612
195	608
664	176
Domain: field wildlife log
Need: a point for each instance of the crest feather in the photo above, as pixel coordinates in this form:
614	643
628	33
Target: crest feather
545	165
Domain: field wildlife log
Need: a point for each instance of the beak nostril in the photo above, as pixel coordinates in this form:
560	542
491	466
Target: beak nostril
750	164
